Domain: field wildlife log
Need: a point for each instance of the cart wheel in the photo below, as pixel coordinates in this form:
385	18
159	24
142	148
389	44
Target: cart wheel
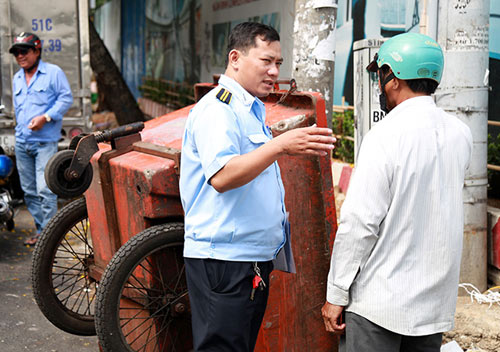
62	286
142	300
57	181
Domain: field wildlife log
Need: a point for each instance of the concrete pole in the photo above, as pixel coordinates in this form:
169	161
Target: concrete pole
314	48
463	30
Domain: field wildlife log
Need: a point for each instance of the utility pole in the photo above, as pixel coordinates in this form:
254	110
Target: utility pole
314	48
463	30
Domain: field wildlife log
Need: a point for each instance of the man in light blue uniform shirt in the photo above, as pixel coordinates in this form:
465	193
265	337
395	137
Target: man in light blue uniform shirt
232	193
42	96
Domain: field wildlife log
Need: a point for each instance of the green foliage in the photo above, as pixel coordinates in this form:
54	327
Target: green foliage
343	126
494	158
99	3
166	92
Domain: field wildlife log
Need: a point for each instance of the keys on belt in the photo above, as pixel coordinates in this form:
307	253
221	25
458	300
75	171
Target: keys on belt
257	282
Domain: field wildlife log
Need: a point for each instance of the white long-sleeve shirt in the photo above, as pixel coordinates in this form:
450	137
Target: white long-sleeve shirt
396	256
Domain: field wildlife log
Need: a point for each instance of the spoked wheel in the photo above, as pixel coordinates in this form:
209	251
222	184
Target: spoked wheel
62	285
56	178
142	300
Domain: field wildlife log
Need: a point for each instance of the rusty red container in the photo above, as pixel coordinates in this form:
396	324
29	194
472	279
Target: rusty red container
135	186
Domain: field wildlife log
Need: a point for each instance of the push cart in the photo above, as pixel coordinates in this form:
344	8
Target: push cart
111	262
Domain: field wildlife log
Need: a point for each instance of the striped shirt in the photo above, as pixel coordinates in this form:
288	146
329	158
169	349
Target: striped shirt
396	256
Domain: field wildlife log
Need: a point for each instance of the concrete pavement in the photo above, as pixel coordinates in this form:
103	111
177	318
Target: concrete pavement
22	325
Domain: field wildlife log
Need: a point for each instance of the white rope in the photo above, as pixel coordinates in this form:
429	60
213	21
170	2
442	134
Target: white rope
487	297
475	349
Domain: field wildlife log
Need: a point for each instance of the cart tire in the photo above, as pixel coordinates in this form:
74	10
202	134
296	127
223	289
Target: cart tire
56	180
142	301
62	286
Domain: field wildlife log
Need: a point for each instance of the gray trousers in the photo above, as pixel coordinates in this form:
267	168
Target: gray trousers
361	335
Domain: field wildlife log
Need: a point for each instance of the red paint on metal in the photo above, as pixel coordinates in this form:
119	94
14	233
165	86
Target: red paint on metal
99	227
345	178
293	319
495	245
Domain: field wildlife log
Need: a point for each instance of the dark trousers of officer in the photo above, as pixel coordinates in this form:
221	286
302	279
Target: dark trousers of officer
361	335
224	318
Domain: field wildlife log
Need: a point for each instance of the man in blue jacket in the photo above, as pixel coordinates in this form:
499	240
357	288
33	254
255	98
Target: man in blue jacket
42	96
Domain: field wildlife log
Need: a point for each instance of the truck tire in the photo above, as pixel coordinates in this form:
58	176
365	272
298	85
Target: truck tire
142	300
62	286
56	180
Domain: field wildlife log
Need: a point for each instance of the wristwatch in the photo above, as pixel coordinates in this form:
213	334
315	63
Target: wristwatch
47	117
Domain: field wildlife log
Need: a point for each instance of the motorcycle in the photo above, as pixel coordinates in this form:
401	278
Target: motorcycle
6	203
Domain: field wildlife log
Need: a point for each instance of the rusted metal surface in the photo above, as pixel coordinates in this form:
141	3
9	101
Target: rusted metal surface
136	187
494	237
165	152
293	320
87	146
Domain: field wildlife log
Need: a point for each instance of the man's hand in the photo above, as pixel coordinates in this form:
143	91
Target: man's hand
332	317
244	168
37	123
307	140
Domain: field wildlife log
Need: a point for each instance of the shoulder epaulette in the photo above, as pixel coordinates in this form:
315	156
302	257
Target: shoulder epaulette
224	95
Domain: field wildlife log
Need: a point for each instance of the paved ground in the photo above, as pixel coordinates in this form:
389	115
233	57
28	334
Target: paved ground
477	326
24	328
22	325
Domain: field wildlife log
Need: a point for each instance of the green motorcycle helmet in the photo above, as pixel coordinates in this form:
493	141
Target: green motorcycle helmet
410	56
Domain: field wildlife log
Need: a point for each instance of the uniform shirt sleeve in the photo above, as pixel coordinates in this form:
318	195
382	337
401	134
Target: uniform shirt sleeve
64	98
216	135
364	209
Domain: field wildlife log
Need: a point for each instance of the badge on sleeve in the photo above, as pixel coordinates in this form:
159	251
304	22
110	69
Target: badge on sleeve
224	96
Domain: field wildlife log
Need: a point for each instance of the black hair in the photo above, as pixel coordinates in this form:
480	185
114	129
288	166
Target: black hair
421	85
424	85
242	37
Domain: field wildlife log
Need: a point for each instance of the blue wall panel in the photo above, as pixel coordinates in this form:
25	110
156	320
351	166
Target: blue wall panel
133	56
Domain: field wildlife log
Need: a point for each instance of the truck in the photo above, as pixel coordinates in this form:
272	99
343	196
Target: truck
63	29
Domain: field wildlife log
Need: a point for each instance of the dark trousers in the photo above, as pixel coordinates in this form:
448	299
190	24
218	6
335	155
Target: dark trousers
224	318
362	335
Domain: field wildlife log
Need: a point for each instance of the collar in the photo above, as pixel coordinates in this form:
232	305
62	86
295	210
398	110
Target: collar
239	92
416	101
42	68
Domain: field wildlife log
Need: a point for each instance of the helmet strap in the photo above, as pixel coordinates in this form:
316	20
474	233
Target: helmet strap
383	97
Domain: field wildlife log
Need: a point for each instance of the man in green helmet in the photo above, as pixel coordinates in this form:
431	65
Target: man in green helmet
396	257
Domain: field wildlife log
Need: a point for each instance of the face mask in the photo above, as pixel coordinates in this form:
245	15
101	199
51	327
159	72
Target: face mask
382	97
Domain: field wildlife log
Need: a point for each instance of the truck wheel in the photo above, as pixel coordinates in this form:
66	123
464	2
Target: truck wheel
142	300
62	286
56	179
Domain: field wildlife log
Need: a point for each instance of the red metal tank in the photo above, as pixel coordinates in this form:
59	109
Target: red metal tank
136	186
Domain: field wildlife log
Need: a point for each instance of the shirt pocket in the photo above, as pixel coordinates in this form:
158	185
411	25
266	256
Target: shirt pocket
256	140
40	95
18	97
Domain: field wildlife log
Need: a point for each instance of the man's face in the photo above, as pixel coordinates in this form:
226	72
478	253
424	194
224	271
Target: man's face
259	68
26	57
